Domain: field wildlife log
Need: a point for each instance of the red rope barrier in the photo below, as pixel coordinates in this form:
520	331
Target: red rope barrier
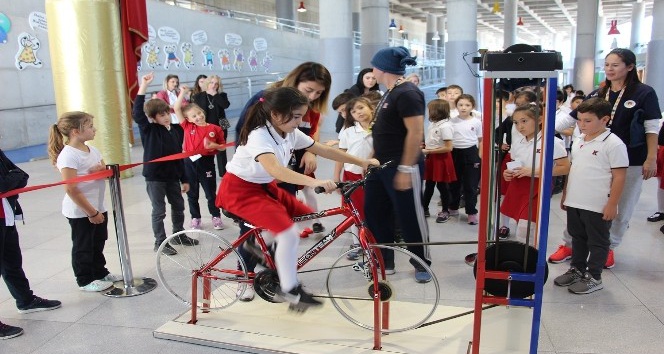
106	173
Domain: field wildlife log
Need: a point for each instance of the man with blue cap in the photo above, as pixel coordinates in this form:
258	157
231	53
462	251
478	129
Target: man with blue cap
397	136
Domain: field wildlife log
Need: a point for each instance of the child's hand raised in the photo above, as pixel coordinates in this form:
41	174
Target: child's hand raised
147	78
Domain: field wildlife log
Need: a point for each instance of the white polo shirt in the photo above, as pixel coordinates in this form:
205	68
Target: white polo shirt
357	142
522	150
589	181
265	140
437	133
466	132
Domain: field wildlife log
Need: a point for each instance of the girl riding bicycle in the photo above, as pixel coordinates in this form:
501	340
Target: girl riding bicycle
249	189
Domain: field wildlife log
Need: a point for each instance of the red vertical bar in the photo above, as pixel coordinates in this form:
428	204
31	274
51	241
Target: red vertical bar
194	291
485	198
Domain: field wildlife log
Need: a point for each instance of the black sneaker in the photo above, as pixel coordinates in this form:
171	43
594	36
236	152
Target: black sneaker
7	331
298	299
39	304
184	240
470	259
317	228
168	250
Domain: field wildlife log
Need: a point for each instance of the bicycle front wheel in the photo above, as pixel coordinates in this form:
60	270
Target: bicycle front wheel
217	285
351	285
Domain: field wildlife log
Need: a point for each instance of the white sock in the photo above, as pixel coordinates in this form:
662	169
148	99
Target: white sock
286	257
310	199
522	230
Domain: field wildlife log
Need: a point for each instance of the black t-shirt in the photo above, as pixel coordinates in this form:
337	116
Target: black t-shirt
389	131
643	98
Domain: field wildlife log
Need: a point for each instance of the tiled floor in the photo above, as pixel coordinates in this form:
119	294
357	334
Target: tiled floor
625	317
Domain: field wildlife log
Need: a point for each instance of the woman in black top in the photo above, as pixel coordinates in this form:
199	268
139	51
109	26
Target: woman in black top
214	101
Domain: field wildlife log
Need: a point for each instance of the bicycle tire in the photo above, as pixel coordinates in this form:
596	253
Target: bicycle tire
411	304
228	278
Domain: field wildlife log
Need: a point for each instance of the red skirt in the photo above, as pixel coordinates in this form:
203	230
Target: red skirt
515	204
263	205
358	195
660	166
439	168
503	166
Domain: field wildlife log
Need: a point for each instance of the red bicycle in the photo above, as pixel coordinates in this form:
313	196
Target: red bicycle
212	275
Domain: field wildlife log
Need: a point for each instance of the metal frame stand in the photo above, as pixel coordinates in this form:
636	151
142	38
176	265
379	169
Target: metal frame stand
129	286
489	200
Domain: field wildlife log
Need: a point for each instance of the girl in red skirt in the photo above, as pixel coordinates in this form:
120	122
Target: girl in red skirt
438	163
266	143
355	139
527	120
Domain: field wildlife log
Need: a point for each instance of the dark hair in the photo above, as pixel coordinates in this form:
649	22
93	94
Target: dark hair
310	71
278	100
568	87
360	83
341	100
349	121
156	106
502	94
444	88
629	58
168	78
576	98
529	95
597	106
373	96
438	110
197	89
532	110
560	96
465	96
580	93
457	87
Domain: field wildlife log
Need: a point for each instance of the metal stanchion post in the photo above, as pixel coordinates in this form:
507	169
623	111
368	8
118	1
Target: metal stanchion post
129	286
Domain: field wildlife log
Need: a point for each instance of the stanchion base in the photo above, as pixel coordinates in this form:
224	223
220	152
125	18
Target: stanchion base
141	286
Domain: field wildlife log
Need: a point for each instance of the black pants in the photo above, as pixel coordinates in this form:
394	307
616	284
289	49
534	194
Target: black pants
87	252
11	265
222	158
442	189
467	167
590	240
201	173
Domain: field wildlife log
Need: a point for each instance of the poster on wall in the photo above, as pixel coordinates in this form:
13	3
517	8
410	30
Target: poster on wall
5	27
225	59
151	54
27	51
37	20
238	62
187	55
208	57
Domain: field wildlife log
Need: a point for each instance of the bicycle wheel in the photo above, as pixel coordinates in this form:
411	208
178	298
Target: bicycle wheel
350	286
218	287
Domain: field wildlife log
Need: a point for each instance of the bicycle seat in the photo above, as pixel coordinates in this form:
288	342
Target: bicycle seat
232	216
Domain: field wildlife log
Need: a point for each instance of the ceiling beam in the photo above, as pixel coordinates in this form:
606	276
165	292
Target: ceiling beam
565	12
536	16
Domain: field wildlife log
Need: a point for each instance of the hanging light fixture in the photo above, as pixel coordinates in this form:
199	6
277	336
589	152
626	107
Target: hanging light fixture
393	25
301	8
436	37
401	30
520	22
614	28
496	7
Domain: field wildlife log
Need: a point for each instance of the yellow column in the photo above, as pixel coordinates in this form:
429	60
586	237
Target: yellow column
88	70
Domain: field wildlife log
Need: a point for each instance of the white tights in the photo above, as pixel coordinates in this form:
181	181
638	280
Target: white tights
310	199
522	231
286	257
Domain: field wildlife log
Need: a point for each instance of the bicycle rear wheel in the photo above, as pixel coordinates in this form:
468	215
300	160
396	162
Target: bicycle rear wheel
218	287
350	287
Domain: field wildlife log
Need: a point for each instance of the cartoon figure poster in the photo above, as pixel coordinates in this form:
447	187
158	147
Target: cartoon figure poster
151	54
253	60
266	62
208	57
171	57
187	54
239	59
27	51
225	59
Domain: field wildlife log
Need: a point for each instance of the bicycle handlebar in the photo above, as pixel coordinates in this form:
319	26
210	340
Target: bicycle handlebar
345	185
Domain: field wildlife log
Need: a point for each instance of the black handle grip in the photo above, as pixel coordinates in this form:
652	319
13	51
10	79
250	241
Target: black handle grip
319	190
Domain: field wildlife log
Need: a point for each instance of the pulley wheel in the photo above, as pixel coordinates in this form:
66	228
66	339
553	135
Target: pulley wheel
507	256
266	284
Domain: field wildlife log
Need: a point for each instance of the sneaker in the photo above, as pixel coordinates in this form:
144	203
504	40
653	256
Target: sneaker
610	261
354	254
39	304
112	277
656	217
217	223
473	219
570	277
248	293
298	299
306	232
426	213
442	217
586	285
317	228
470	259
503	232
422	276
7	331
562	254
97	286
168	250
361	266
184	240
454	212
196	223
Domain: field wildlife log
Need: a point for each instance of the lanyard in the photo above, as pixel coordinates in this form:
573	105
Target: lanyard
382	101
615	105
